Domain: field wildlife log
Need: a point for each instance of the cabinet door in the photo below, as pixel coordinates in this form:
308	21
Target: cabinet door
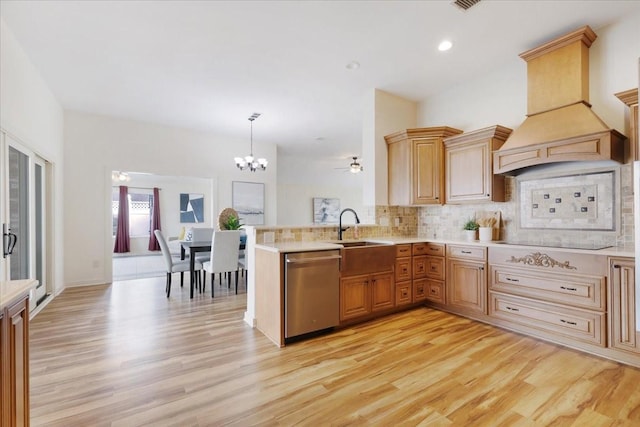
622	304
4	370
383	291
466	285
469	174
17	353
427	171
355	297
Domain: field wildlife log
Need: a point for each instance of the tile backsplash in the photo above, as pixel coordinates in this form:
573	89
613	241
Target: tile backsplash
446	221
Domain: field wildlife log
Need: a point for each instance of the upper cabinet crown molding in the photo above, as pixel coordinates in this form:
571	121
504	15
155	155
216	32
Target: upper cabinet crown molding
416	165
630	98
469	166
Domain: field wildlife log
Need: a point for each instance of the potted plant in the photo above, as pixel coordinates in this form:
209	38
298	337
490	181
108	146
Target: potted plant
232	223
470	228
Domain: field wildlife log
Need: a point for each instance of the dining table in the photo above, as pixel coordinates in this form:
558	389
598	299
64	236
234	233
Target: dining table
195	247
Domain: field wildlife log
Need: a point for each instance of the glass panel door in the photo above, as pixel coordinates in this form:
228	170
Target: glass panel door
19	213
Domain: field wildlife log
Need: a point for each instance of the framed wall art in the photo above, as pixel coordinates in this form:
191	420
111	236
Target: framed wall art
326	210
248	201
191	208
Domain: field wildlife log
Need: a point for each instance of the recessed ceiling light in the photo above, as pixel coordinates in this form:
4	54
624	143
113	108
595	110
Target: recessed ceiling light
353	65
444	45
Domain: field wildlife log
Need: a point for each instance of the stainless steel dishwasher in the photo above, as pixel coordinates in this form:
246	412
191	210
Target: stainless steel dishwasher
311	292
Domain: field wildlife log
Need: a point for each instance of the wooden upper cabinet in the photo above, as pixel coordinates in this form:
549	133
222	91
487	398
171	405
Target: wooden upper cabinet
630	97
469	174
416	165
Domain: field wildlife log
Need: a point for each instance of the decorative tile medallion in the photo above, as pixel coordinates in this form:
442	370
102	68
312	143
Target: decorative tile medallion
572	202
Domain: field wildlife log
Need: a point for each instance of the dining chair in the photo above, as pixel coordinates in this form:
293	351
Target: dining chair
202	234
225	246
175	266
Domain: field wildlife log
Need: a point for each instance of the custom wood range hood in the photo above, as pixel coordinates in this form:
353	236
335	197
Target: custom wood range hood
560	125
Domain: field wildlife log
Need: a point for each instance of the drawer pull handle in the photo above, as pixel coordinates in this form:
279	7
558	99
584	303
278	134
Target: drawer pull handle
466	252
568	322
509	279
568	289
434	249
511	308
433	291
433	268
616	266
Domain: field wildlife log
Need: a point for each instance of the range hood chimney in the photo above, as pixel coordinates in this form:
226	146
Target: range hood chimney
560	125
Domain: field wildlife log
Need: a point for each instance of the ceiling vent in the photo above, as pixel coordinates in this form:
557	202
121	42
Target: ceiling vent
465	4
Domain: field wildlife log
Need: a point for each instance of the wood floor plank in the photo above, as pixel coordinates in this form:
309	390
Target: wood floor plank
125	355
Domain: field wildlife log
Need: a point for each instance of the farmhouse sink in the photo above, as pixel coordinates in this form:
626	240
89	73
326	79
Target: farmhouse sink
366	257
357	244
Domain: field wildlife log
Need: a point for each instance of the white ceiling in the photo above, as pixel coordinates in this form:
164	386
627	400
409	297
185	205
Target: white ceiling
208	65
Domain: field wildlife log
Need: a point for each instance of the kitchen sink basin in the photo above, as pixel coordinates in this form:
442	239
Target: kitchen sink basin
366	257
357	244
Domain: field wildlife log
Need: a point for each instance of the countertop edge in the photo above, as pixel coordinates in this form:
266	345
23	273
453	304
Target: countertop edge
13	290
322	245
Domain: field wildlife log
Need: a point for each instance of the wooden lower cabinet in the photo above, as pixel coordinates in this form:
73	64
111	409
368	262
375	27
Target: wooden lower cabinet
420	290
14	352
435	291
404	293
466	285
622	309
364	294
556	320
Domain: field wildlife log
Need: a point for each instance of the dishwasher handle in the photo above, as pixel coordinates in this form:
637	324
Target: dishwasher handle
314	259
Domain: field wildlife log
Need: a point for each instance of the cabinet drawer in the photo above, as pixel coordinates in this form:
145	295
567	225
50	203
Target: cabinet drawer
564	322
573	289
420	290
434	249
435	267
403	250
467	252
419	266
435	291
403	269
403	293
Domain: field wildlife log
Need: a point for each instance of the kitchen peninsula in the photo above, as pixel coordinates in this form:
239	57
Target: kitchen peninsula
580	298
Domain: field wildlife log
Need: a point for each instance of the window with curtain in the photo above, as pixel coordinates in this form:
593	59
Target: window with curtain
140	209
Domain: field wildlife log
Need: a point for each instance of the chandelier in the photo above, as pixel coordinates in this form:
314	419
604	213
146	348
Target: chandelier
249	162
118	176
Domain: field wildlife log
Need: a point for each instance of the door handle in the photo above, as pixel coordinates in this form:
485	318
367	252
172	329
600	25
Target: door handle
9	241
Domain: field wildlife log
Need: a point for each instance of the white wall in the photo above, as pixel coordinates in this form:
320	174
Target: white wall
385	113
302	179
32	115
95	145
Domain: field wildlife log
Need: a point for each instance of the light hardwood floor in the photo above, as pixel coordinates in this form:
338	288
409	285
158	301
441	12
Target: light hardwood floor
124	355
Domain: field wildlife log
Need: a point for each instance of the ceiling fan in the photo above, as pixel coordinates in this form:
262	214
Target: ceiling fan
354	166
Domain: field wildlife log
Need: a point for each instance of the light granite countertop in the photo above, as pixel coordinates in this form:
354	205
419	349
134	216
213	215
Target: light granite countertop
13	290
289	247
